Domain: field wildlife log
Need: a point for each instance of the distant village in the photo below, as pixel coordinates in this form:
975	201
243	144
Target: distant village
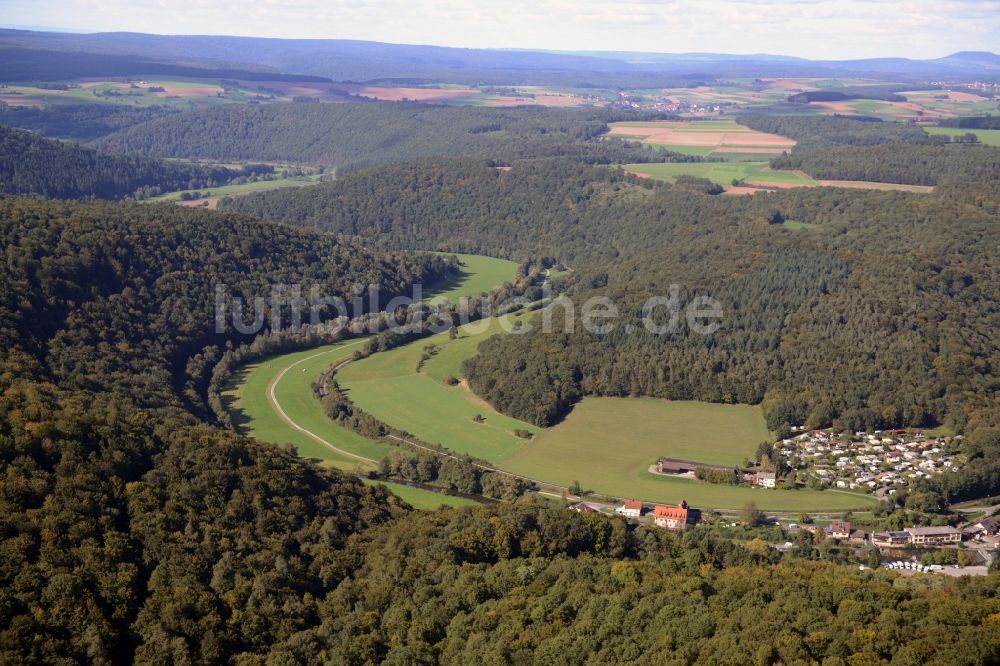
880	463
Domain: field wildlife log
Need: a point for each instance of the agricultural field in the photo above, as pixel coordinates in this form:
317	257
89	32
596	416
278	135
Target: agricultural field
948	103
179	92
607	444
919	106
134	91
718	138
985	136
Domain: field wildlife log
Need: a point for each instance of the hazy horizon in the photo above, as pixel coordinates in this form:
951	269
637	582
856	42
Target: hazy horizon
814	29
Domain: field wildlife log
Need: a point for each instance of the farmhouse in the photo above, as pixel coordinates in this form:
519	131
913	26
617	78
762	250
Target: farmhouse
763	479
839	529
987	526
583	507
630	509
671	517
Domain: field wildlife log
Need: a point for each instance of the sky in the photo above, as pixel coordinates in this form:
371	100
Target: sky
838	29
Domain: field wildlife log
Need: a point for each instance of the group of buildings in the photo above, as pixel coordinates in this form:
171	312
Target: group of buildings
880	463
936	535
670	517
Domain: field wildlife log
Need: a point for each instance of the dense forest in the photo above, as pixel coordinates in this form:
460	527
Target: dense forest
113	497
30	164
78	122
349	136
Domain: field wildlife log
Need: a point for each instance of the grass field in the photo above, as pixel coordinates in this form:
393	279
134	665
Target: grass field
988	137
420	498
248	398
608	444
387	386
757	173
242	188
478	275
722	173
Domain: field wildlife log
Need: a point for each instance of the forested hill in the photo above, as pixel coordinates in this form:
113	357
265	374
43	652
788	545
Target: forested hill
118	297
881	314
78	122
30	164
348	136
127	530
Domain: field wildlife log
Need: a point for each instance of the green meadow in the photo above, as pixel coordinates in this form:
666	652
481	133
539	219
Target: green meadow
388	386
478	275
248	399
985	136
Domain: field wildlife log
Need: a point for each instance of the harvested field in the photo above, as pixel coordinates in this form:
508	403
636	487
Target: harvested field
741	189
865	185
189	91
553	100
712	136
389	94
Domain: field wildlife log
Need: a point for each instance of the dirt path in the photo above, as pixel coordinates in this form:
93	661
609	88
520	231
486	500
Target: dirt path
279	410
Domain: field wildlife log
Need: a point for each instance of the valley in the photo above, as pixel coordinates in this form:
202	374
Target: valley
341	351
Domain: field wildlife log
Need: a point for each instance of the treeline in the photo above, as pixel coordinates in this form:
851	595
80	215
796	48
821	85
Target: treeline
888	94
30	164
78	122
461	586
977	122
842	148
349	136
828	131
909	163
122	297
458	475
